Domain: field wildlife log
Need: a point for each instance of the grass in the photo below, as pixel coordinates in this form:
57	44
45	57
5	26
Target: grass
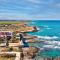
11	22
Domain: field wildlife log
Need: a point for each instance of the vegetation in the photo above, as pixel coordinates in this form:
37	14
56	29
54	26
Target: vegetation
10	22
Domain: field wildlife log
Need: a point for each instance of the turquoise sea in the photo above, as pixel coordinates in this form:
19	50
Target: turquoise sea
49	30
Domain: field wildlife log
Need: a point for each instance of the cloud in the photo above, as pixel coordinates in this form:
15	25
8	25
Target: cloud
34	1
29	9
57	5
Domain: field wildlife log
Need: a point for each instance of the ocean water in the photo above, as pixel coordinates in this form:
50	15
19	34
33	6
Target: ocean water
49	30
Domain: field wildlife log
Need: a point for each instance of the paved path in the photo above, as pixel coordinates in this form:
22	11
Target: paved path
13	44
17	56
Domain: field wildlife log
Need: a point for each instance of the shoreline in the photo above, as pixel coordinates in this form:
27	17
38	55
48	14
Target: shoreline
15	44
18	28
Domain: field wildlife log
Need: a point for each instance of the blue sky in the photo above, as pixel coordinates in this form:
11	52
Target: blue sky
30	9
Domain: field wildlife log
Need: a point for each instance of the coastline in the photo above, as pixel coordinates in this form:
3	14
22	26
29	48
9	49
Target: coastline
19	28
30	42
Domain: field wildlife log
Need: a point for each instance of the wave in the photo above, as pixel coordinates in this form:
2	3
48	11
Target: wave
51	46
53	42
48	37
48	28
48	46
38	28
56	47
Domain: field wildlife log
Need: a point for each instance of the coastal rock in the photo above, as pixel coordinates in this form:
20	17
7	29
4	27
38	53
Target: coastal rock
28	36
30	52
32	41
34	29
7	55
29	29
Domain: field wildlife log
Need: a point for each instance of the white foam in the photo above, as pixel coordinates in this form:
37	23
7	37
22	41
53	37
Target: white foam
48	28
51	46
38	29
53	42
48	46
58	43
48	37
56	47
33	22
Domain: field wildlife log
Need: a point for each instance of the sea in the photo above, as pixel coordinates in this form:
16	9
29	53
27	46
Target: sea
49	31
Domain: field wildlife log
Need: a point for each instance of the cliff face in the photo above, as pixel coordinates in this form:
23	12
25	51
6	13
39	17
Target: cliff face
30	52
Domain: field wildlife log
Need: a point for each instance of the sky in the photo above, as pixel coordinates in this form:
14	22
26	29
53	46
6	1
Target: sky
30	9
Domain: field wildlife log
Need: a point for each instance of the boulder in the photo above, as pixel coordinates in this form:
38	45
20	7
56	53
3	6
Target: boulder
30	52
